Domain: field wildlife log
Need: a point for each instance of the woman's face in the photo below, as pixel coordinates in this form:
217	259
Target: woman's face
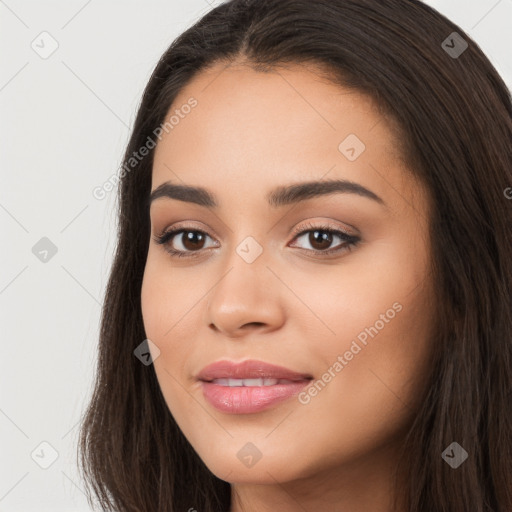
256	281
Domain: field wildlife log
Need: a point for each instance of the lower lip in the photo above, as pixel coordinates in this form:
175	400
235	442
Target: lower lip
249	399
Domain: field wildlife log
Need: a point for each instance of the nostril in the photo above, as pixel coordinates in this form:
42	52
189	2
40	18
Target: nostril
255	323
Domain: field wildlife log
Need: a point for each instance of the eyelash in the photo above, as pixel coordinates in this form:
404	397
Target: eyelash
350	240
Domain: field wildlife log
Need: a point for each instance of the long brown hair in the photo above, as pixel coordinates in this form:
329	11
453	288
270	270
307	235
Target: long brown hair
454	115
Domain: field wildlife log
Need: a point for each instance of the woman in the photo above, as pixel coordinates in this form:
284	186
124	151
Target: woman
310	302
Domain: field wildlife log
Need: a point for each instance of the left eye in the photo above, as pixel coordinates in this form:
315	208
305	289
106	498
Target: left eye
321	238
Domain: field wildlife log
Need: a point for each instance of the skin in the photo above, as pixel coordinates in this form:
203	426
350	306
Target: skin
250	132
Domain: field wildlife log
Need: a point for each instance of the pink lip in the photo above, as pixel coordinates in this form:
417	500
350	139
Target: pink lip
249	369
249	399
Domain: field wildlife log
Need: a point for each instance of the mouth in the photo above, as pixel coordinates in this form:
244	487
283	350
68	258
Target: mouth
250	386
236	383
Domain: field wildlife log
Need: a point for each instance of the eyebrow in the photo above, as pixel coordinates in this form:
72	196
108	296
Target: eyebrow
280	196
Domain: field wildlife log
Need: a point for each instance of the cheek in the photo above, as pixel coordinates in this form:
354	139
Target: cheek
380	292
370	395
158	304
153	300
373	348
166	298
168	309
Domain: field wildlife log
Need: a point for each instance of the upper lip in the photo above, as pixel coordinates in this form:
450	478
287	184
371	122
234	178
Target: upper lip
250	369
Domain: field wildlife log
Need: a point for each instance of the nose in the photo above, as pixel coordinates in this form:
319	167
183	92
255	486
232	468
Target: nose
247	298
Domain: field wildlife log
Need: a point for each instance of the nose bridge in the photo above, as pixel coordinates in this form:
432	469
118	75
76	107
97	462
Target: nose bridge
246	269
243	294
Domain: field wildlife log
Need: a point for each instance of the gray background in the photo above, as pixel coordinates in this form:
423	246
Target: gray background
65	122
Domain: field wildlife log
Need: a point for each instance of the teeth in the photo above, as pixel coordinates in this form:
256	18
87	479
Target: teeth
250	382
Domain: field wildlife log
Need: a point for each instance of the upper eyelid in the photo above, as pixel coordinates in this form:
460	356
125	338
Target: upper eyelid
310	225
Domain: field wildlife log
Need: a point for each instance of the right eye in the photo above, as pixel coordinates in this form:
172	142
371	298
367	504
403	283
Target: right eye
193	242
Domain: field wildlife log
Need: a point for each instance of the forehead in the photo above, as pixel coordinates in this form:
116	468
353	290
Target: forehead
254	130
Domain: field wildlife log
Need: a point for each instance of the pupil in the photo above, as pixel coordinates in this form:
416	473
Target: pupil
325	238
191	237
